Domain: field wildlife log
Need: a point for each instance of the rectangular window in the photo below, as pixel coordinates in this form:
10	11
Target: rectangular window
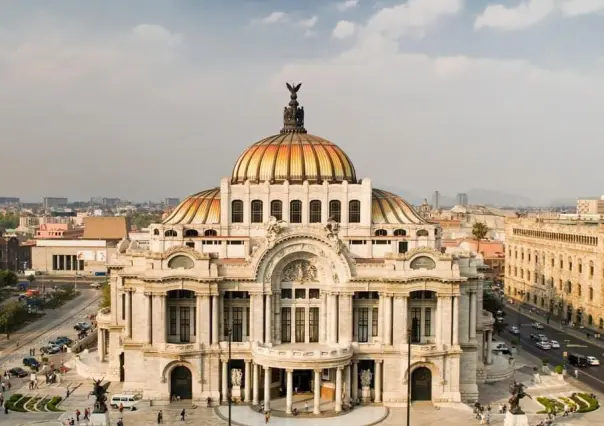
68	263
190	244
247	321
286	293
173	320
194	321
403	246
295	211
55	262
237	333
286	325
74	262
300	336
374	322
315	211
225	320
363	325
185	324
80	265
123	306
313	325
428	322
61	263
416	315
314	293
300	293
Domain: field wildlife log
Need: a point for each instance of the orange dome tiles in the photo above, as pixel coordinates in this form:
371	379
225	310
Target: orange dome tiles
200	208
389	208
293	157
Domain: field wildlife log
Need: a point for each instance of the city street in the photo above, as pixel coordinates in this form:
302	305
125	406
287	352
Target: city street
592	375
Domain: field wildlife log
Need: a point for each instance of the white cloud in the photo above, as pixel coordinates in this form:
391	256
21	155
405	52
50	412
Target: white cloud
524	15
155	34
343	29
346	5
581	7
413	17
273	18
308	23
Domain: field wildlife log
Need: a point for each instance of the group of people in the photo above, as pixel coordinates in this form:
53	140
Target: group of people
482	413
160	416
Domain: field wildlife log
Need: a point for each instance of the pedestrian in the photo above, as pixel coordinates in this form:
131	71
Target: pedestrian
120	422
121	408
86	413
267	416
160	417
5	409
182	415
576	373
77	413
306	406
209	402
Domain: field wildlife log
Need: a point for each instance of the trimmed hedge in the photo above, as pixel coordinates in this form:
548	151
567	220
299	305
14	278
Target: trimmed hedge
52	405
571	404
549	405
559	369
593	403
10	404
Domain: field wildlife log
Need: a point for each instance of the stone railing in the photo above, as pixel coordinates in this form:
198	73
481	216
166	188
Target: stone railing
103	315
296	357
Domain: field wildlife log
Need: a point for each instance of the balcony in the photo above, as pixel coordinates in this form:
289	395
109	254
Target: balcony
307	356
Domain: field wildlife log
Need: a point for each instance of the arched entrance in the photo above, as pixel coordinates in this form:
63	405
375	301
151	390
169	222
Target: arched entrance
181	383
421	384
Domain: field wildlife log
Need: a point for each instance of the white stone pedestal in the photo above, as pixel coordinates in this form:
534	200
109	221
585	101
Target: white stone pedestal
515	419
100	419
366	394
236	393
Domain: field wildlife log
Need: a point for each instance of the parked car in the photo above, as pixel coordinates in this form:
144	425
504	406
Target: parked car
502	348
538	326
592	360
96	285
555	344
82	326
542	344
514	330
31	362
65	339
127	401
18	372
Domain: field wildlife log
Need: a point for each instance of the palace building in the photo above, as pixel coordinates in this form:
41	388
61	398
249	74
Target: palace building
320	281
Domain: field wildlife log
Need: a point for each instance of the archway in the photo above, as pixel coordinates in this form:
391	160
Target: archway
181	383
421	384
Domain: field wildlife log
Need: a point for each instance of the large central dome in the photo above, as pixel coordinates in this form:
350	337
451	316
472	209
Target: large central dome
293	155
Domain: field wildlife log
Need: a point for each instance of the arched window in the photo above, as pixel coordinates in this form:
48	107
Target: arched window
590	320
400	233
295	211
191	233
591	293
315	211
580	265
257	211
170	233
354	211
156	232
277	209
579	290
237	211
381	233
335	210
591	269
570	264
422	233
210	233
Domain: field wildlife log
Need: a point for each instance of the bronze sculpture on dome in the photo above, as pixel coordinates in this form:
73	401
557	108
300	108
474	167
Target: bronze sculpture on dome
293	115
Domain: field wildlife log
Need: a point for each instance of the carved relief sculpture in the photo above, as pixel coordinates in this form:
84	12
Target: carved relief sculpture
366	376
236	375
299	271
332	230
274	227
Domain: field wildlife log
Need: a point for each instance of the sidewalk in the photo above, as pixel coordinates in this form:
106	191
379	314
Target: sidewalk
574	332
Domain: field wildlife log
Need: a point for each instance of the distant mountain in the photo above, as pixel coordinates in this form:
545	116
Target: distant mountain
497	198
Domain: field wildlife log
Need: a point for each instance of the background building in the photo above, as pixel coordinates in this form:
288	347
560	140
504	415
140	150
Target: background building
590	206
171	202
9	201
462	199
54	202
557	265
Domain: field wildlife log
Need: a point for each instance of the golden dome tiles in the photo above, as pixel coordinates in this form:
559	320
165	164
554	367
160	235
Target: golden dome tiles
200	208
390	209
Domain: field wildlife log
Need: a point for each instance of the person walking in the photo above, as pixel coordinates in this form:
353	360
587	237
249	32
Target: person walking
77	413
121	408
182	415
86	413
267	416
160	417
120	422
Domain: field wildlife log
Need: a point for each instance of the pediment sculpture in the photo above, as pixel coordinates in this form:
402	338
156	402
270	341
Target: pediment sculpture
366	376
332	230
236	375
299	271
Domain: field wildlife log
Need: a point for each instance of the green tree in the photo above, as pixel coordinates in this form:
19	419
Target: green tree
492	303
105	300
9	220
479	231
11	313
143	220
8	278
31	278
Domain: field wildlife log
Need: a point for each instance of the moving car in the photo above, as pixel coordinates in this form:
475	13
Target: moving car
96	285
555	344
65	339
31	362
592	360
514	330
542	344
82	326
538	326
503	348
18	372
577	360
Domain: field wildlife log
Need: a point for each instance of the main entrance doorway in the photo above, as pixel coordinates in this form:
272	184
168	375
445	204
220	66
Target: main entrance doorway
181	383
421	384
302	379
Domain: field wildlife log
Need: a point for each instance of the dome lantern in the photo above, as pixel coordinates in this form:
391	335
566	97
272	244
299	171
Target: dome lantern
293	116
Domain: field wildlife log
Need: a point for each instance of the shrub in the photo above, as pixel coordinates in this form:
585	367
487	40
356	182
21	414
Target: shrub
544	362
550	405
593	403
559	369
52	405
569	402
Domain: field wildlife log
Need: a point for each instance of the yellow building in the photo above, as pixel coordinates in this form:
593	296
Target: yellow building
557	265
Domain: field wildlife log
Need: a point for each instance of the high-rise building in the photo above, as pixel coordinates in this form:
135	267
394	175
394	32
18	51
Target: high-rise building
436	200
462	199
9	201
171	202
54	202
590	206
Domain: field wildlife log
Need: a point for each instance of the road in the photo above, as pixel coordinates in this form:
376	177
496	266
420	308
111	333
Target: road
592	375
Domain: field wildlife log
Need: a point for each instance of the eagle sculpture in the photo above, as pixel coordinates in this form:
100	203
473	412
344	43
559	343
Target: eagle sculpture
293	88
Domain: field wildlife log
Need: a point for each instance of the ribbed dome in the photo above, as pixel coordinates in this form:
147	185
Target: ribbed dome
389	208
201	208
294	157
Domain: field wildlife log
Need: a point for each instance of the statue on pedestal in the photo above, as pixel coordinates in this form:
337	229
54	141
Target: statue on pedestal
517	391
99	392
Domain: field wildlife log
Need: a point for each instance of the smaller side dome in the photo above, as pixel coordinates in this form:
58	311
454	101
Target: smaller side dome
389	208
198	209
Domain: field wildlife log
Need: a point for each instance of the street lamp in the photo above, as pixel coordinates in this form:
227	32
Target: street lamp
229	382
409	375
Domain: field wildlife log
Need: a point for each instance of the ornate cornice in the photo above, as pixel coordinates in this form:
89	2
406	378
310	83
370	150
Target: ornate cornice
179	249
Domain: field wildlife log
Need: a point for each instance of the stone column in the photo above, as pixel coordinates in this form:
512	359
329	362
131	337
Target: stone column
149	303
225	384
248	381
399	320
355	380
267	388
323	320
388	320
317	395
268	326
438	322
381	318
221	330
289	391
161	330
257	316
405	313
348	382
489	347
455	319
338	405
256	392
378	381
473	316
101	345
345	318
215	319
333	318
128	323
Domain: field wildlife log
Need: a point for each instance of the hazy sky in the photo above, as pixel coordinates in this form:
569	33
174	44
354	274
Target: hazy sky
144	99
